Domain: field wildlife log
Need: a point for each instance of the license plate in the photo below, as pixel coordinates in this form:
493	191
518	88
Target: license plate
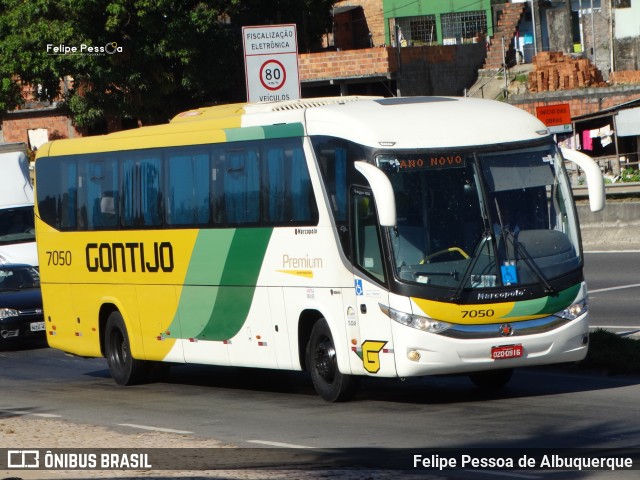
37	326
504	352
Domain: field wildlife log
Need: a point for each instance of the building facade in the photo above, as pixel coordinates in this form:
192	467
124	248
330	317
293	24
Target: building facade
453	22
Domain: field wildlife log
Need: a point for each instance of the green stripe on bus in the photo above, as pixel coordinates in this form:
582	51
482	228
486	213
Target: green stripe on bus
209	256
562	300
243	266
215	306
284	131
261	133
546	305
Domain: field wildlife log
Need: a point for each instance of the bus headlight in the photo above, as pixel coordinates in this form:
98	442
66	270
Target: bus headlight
415	321
573	311
8	312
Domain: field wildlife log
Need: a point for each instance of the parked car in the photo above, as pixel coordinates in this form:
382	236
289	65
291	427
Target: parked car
17	232
21	314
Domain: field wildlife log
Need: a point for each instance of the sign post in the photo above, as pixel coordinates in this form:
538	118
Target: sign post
271	63
556	117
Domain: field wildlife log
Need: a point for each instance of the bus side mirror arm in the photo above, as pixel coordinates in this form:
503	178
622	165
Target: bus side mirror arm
595	180
382	192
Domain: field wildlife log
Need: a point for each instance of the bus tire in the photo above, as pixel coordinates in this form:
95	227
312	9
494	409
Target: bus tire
322	363
125	370
492	379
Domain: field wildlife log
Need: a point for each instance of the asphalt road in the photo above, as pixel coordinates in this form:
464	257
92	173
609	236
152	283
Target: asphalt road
614	289
540	407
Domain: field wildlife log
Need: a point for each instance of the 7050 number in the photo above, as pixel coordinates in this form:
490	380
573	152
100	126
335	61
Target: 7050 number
478	313
59	258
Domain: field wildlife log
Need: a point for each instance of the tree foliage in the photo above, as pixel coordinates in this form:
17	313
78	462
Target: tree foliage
162	56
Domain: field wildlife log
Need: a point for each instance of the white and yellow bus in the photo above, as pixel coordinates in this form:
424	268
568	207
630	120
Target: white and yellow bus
349	237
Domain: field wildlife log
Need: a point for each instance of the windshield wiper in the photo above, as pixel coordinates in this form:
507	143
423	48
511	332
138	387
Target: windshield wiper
529	261
467	273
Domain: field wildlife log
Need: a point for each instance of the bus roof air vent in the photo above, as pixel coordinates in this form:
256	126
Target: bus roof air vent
302	104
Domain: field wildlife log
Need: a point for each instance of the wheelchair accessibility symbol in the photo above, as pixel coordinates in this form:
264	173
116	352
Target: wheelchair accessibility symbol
359	288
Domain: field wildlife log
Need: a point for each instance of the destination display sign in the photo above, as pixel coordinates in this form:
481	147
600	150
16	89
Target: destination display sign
426	161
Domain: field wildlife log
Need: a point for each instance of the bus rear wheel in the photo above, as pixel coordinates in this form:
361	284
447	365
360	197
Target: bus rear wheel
125	370
322	363
492	379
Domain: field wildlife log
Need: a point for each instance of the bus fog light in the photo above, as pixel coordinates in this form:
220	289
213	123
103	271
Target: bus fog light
413	355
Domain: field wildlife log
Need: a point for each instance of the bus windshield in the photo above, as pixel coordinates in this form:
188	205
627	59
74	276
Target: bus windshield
481	219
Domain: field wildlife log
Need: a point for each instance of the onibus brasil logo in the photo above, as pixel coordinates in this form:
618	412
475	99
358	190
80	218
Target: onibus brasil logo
83	49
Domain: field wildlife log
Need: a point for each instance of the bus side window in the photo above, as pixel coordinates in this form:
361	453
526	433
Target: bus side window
286	189
242	186
142	197
98	194
187	193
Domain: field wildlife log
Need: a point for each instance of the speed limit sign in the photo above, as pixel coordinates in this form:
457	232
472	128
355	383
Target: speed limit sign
273	75
271	63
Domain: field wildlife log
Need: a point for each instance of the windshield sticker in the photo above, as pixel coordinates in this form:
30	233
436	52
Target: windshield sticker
509	274
483	281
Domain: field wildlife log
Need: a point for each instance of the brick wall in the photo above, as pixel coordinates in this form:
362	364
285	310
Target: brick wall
626	76
555	71
374	16
441	70
16	125
346	63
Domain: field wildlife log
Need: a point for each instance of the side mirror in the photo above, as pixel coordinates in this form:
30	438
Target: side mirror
382	192
595	180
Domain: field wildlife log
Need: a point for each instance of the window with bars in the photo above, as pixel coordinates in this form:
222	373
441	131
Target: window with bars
462	27
416	31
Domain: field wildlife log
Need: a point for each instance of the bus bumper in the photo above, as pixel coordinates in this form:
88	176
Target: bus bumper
419	353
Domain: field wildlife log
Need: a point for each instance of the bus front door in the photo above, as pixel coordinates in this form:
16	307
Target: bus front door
374	342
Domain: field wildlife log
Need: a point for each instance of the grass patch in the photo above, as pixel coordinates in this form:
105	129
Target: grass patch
612	354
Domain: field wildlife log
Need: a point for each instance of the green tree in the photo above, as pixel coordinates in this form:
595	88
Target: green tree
158	57
312	17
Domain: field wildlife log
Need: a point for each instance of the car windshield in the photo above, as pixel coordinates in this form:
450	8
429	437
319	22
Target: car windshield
482	219
18	278
17	225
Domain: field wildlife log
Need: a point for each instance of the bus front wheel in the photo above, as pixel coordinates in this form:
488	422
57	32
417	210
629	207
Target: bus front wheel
322	363
124	369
